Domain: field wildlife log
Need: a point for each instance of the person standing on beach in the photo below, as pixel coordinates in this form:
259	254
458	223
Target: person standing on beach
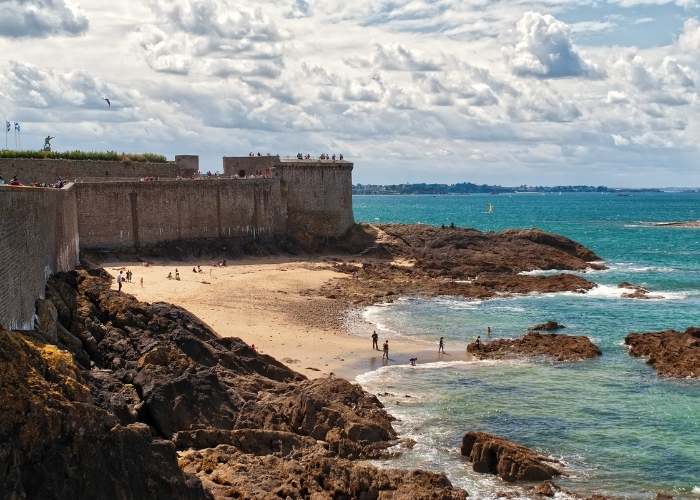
441	345
375	341
120	278
488	331
386	350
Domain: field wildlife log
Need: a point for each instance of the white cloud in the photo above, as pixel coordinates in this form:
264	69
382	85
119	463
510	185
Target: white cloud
546	50
40	18
689	39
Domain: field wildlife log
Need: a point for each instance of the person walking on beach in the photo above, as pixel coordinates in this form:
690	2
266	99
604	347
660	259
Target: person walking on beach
441	345
120	279
386	350
488	331
375	341
141	281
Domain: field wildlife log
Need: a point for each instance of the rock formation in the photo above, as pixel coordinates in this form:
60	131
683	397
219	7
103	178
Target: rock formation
491	454
636	291
549	326
429	261
102	397
532	344
671	353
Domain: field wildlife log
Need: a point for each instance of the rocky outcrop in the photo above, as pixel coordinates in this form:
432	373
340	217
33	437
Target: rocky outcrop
308	473
549	326
102	414
671	353
429	261
533	344
56	443
636	292
491	454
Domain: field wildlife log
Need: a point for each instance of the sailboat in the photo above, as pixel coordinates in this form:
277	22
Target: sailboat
489	208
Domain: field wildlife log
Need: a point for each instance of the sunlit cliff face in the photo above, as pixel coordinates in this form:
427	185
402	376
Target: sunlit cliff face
494	91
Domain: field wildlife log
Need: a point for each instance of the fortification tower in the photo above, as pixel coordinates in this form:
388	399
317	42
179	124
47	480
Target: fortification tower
317	193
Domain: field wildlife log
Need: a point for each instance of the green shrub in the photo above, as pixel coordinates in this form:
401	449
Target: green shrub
84	155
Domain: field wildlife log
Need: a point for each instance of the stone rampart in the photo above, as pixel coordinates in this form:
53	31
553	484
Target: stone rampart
138	214
318	196
38	237
30	170
248	165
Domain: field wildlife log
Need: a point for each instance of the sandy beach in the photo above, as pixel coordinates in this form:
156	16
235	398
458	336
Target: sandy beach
271	303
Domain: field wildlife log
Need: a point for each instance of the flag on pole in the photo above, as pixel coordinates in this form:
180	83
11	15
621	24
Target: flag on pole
17	128
7	126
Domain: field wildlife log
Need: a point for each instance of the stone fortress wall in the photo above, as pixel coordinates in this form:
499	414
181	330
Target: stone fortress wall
132	214
42	230
48	171
38	237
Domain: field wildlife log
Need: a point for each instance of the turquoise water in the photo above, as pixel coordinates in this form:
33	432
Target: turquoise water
618	427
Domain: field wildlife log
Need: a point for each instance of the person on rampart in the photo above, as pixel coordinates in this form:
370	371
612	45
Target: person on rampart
14	181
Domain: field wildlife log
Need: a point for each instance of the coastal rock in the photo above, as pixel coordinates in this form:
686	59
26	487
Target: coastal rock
228	473
549	326
635	291
671	353
491	454
56	443
430	261
161	380
556	346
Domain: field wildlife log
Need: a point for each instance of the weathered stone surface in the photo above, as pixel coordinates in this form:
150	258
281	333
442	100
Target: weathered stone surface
671	353
228	473
636	292
491	454
552	345
55	443
425	260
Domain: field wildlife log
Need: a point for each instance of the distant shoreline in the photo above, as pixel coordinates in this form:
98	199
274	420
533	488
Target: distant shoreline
471	189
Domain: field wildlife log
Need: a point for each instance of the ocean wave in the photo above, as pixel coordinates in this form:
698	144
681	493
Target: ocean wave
696	491
376	375
615	292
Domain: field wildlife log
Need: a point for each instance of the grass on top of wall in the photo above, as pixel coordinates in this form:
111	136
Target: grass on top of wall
84	155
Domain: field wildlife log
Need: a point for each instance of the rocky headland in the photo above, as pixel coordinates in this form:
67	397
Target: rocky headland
671	353
423	260
98	401
534	344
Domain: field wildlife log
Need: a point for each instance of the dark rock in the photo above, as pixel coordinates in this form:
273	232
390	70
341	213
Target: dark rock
532	344
491	454
549	326
56	443
671	353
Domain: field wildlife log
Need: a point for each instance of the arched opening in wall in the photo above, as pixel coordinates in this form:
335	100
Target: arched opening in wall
241	173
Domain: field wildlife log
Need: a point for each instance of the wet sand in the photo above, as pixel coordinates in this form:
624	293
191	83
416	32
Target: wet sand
273	303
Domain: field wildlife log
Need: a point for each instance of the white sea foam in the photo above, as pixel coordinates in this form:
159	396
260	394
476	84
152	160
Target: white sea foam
696	491
614	292
377	375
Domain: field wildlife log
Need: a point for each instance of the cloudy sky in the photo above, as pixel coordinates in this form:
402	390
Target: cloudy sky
497	91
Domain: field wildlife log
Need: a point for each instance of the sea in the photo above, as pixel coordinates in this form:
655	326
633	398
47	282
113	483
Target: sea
618	428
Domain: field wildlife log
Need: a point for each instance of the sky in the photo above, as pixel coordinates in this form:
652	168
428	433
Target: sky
509	92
